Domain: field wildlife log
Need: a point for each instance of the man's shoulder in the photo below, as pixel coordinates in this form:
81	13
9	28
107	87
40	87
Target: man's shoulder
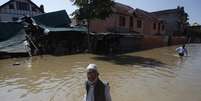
105	83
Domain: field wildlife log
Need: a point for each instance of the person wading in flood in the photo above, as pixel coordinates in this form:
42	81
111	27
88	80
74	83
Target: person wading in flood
96	90
182	51
27	47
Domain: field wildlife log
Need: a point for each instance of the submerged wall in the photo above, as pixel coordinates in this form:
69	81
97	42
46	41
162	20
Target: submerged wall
149	42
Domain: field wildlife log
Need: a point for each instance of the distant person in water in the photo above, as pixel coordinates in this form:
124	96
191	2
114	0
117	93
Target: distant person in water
27	47
96	90
182	51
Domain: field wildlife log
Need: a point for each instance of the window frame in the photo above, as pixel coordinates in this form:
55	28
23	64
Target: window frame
11	6
22	6
131	21
163	27
33	8
139	23
154	26
122	21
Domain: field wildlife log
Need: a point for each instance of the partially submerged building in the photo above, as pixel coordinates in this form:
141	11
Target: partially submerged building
55	36
136	25
126	29
126	19
47	33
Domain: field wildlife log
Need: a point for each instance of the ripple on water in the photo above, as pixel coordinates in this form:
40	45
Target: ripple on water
140	76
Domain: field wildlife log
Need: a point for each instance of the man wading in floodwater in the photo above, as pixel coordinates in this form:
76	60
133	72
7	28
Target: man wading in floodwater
182	51
96	90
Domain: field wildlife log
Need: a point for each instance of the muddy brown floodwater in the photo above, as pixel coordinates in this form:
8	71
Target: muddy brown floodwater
151	75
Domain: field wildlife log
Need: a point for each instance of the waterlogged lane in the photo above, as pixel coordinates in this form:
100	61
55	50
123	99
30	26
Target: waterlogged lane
151	75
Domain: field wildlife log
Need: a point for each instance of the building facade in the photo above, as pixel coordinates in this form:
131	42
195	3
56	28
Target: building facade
126	19
13	9
121	20
148	24
175	20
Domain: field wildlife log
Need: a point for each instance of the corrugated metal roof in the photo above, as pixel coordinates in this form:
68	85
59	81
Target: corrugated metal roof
14	44
74	29
9	29
12	36
53	19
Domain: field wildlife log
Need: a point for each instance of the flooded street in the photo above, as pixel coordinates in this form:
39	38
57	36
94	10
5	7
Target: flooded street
151	75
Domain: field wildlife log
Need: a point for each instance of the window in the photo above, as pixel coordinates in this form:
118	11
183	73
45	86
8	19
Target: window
11	6
139	23
33	9
14	18
122	21
178	25
154	26
163	27
22	6
159	26
131	21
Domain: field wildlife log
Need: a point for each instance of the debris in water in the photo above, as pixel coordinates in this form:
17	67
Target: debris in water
16	64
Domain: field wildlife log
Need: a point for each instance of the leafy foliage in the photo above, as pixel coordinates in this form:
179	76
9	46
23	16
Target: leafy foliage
90	9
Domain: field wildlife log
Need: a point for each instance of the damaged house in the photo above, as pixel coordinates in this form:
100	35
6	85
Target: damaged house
50	33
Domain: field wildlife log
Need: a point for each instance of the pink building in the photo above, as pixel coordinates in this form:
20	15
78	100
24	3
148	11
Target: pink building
148	24
120	21
126	19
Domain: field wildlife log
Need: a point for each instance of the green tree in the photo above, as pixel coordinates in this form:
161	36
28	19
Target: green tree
195	24
92	9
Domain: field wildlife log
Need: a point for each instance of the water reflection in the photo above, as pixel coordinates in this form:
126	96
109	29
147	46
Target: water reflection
130	60
152	75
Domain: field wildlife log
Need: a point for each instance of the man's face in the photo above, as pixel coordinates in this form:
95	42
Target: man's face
92	75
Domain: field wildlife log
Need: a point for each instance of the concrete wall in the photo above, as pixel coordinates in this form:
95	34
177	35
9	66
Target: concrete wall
171	22
110	23
98	25
178	40
149	42
152	42
129	44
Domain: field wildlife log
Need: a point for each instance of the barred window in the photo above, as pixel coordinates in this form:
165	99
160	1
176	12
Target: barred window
131	21
139	23
22	6
159	26
11	6
122	21
154	26
33	9
163	27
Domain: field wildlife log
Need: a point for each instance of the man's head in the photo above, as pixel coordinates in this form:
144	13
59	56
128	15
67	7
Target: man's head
92	72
